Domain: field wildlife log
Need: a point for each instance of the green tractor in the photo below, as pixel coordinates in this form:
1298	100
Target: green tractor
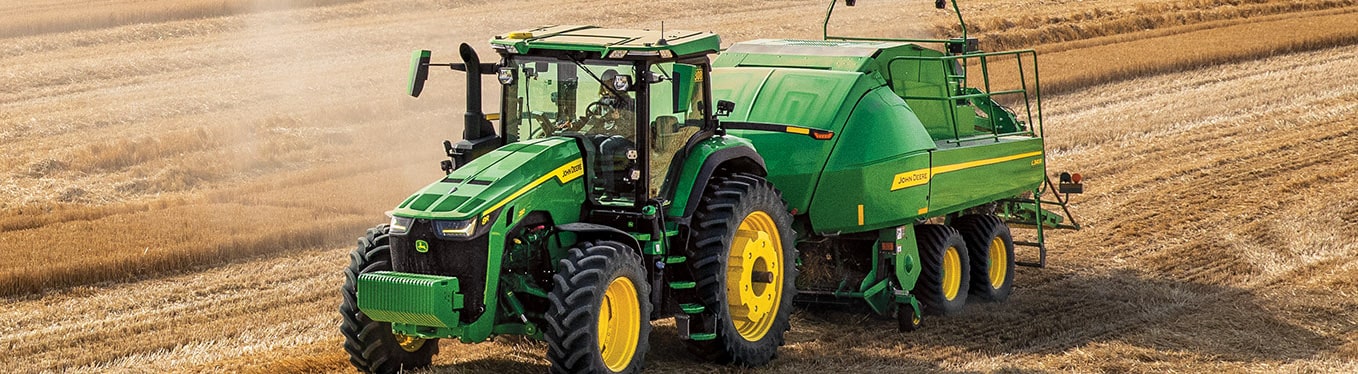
629	178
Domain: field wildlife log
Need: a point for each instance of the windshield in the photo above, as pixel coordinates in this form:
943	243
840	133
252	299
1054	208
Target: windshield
555	97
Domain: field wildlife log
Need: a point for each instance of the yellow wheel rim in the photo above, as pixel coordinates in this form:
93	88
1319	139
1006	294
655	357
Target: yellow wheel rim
754	276
409	343
952	273
619	324
999	262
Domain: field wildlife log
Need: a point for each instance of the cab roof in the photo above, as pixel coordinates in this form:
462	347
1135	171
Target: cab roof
606	41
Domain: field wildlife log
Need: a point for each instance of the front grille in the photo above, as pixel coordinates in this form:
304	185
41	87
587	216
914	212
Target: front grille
464	259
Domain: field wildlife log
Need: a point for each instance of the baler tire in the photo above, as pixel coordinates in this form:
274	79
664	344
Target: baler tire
982	234
730	203
372	346
935	242
578	299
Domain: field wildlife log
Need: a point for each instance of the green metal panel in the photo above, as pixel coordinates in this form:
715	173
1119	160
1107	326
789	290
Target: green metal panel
800	97
494	180
859	190
985	170
881	172
418	299
878	296
927	78
907	262
808	98
551	182
539	175
847	56
606	41
692	166
862	198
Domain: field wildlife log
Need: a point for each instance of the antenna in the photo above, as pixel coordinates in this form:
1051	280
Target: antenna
662	40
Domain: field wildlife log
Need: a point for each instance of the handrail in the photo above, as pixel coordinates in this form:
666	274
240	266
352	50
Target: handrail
872	39
993	136
825	28
959	97
1029	101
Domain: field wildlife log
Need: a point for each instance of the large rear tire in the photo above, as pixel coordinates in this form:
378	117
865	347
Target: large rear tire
945	275
743	261
372	346
599	320
992	256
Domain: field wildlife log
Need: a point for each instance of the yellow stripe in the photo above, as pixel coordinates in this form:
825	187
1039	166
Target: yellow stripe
565	173
860	214
989	161
923	176
798	130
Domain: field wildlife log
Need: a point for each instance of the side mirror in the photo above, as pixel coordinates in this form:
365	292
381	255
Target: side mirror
685	77
724	108
419	71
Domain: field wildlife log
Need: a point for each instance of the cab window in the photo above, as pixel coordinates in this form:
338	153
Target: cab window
671	129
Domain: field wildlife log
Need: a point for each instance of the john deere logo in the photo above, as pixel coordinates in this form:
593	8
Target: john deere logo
421	246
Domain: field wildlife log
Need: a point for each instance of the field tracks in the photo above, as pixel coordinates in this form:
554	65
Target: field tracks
1097	46
46	18
1004	29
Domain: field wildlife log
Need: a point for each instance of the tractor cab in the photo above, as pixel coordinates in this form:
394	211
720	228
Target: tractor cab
631	98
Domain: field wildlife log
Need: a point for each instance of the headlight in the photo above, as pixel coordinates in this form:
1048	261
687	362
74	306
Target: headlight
400	225
455	229
506	76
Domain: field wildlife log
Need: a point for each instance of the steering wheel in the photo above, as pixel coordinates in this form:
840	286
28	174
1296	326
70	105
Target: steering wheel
597	108
597	113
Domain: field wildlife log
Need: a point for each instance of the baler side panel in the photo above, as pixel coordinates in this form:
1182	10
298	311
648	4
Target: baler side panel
801	97
971	175
859	190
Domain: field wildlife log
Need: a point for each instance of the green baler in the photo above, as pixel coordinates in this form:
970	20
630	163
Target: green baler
628	178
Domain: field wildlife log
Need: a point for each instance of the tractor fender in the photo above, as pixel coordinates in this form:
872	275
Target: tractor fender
590	230
729	153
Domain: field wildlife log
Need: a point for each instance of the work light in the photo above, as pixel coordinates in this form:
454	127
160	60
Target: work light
454	229
400	225
622	82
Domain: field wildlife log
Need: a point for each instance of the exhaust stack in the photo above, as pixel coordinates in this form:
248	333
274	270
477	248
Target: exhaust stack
478	134
476	124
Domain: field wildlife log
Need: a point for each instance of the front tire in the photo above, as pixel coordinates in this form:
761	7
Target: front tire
945	275
744	264
599	320
372	346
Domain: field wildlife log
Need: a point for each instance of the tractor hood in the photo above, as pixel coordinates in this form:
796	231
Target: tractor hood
499	178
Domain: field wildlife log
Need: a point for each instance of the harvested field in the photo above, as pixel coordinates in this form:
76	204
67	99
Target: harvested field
183	181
